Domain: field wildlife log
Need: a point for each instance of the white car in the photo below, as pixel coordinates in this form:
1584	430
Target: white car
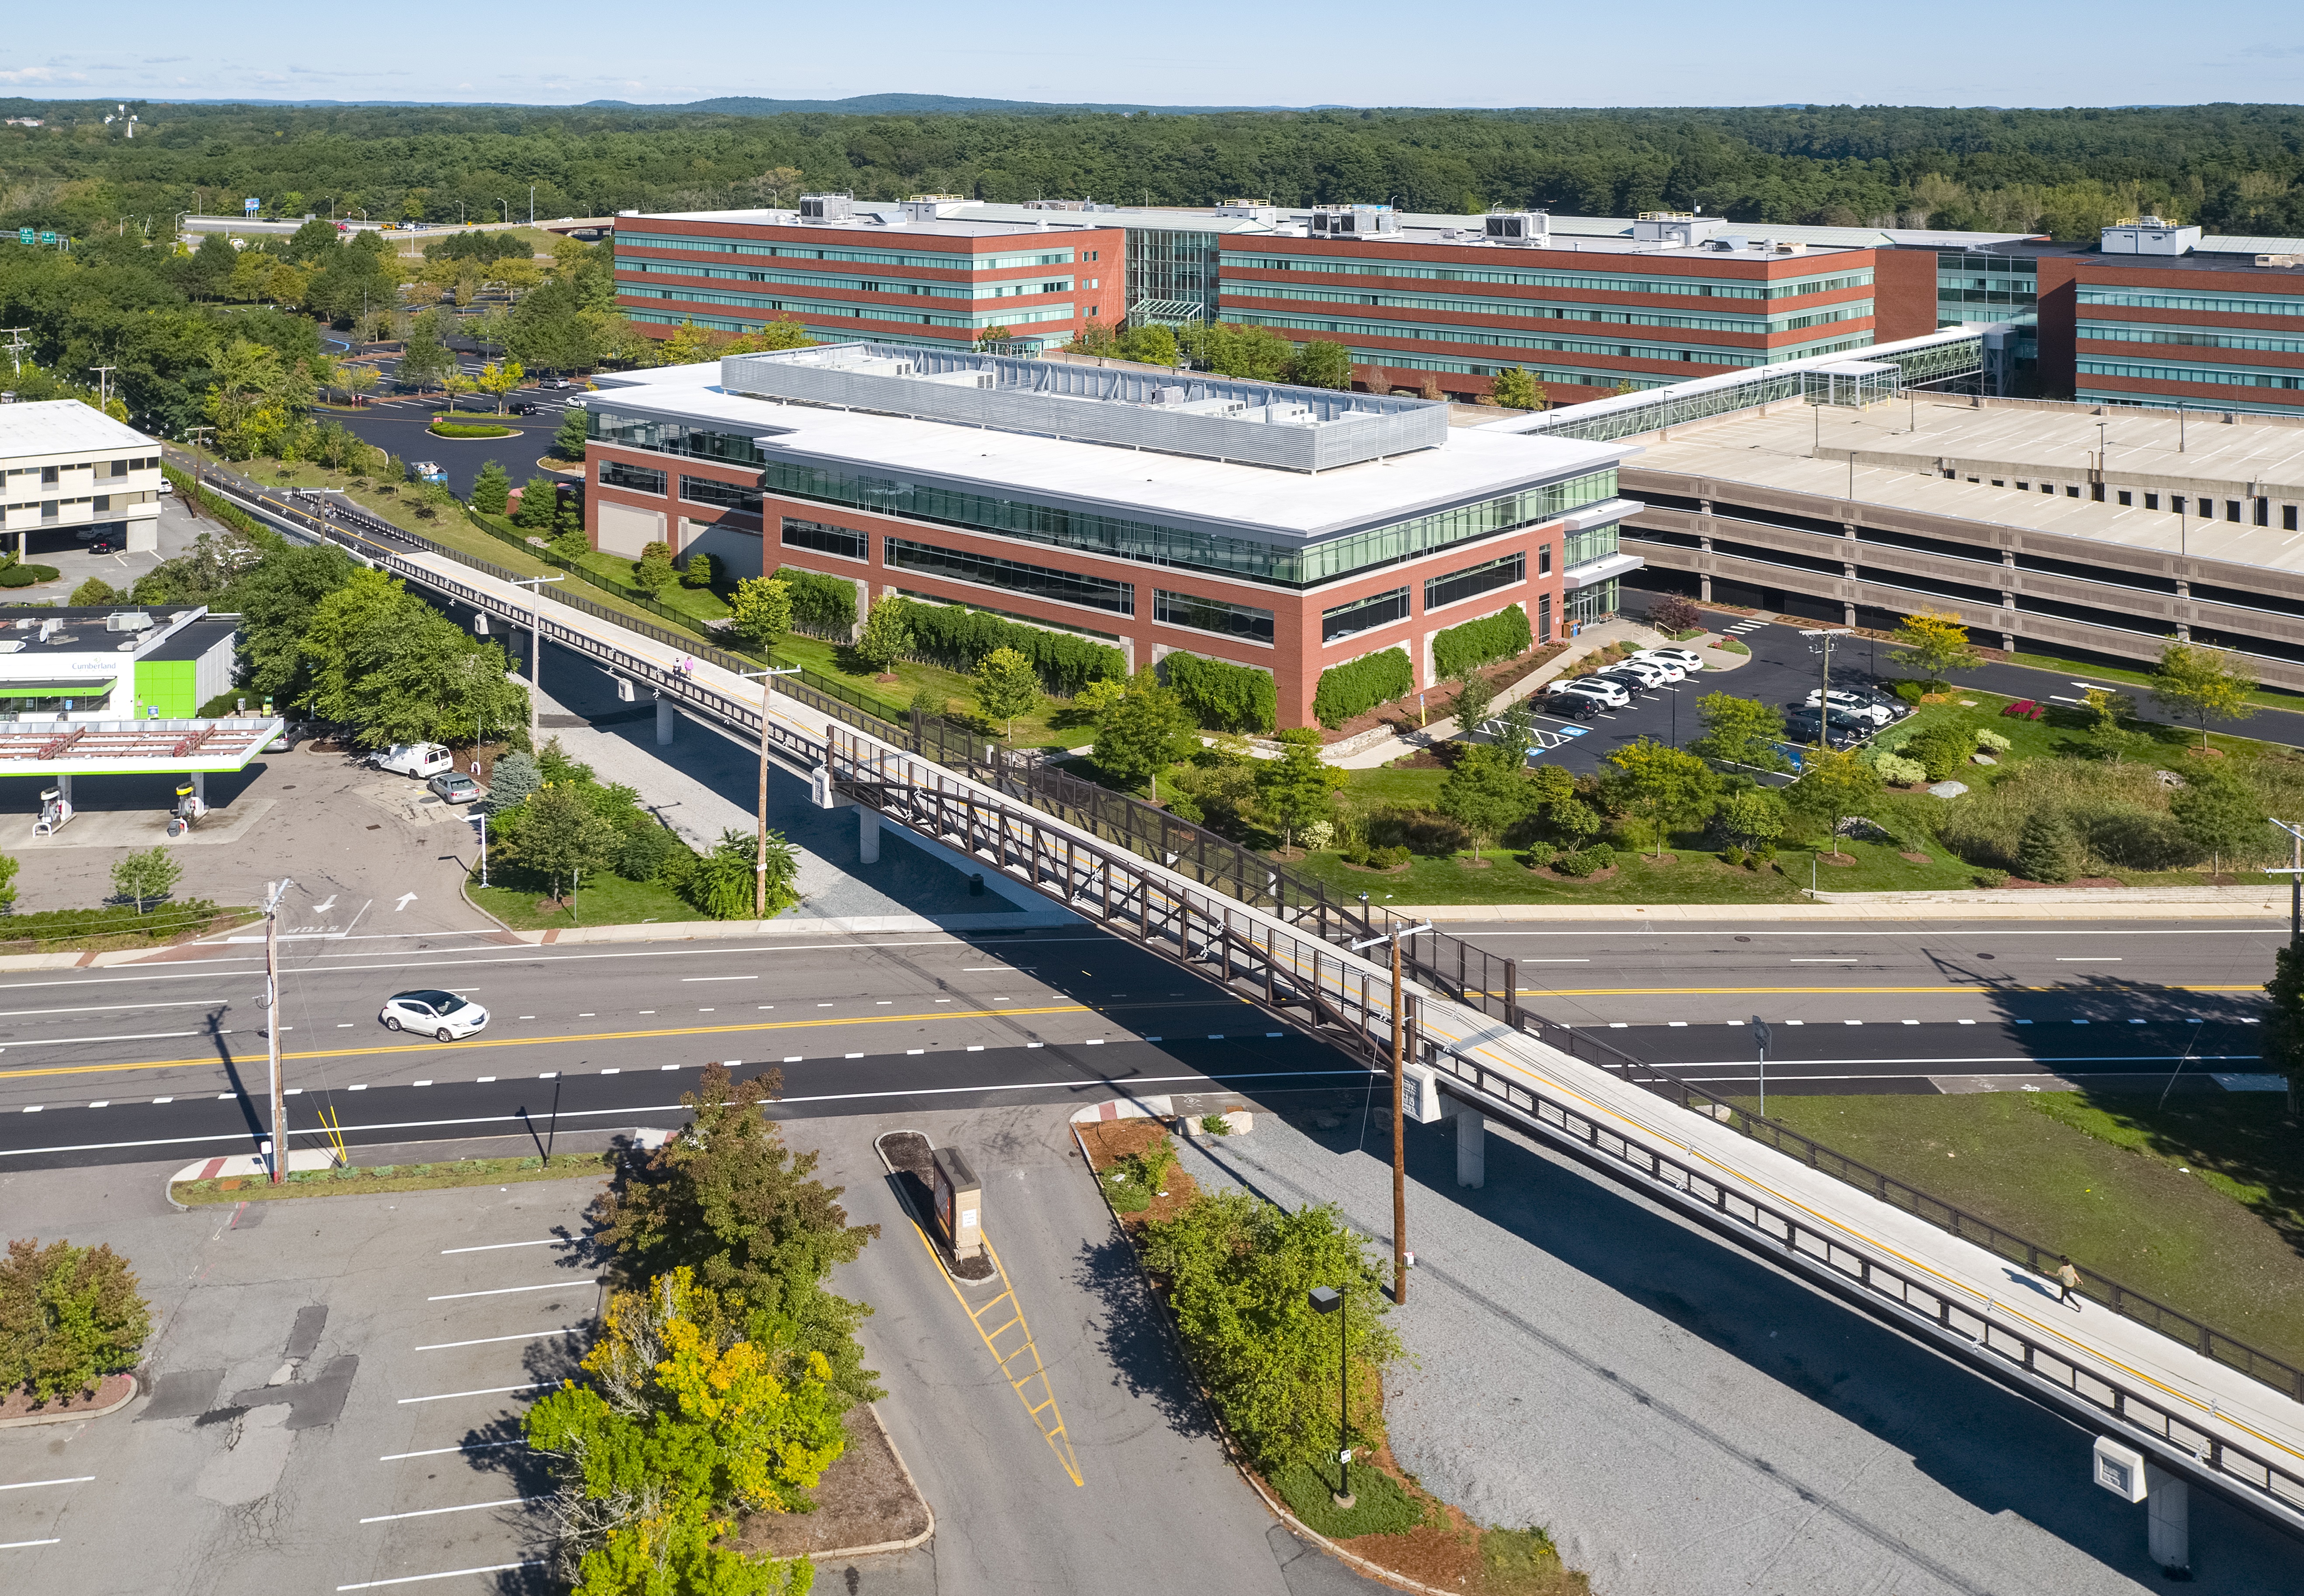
1647	673
1611	693
422	760
1860	704
442	1016
1685	659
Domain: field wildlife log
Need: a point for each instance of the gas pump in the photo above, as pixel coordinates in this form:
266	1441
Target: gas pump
189	807
56	809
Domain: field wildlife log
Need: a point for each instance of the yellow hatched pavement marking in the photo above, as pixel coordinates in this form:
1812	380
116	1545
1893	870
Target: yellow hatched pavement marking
1031	1387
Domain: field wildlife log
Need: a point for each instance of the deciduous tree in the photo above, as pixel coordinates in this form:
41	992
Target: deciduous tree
887	634
1932	643
1660	784
1141	730
68	1316
1740	731
1483	792
1006	687
2200	684
762	609
1516	388
146	874
1297	788
2219	812
1833	786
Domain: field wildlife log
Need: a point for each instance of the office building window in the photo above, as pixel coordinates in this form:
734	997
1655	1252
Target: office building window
1544	559
841	540
1363	615
633	479
1211	614
1473	581
1034	582
1544	617
720	496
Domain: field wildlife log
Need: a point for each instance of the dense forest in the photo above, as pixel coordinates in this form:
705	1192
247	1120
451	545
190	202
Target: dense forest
2231	168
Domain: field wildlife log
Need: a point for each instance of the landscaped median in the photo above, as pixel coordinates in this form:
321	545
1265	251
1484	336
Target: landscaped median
244	1183
1234	1273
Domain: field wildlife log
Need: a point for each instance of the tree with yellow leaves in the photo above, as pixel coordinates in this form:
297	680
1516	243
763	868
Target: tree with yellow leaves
689	1418
1931	643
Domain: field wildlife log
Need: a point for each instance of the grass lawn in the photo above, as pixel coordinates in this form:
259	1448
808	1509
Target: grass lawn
396	1177
607	899
2269	697
1034	730
1694	877
2099	1177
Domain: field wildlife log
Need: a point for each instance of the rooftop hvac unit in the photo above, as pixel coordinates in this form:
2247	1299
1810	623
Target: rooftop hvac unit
826	208
958	379
1520	227
1355	221
127	620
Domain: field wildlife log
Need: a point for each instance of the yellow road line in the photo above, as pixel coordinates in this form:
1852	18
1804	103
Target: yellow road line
1978	991
510	1041
1044	1414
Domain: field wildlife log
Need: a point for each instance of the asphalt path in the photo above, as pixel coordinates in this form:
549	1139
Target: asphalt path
136	1064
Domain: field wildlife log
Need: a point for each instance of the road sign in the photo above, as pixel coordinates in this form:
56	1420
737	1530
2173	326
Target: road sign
1759	1032
27	235
251	205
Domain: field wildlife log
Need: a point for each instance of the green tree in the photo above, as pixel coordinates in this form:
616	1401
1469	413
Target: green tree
8	868
2219	812
2199	683
1750	817
2111	735
1297	788
1833	786
1239	1273
724	883
888	634
691	1416
1659	784
560	834
511	780
1933	643
654	572
728	1199
491	489
568	441
1517	389
1483	792
424	357
539	505
1141	730
1322	363
1152	345
1474	695
762	608
2049	849
1006	687
93	592
146	874
2283	1027
1516	734
1740	731
501	380
68	1316
275	598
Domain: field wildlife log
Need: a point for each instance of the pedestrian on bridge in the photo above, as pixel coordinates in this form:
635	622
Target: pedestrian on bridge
2067	1277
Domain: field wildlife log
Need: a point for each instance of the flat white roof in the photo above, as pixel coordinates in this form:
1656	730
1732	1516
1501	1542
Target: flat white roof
64	427
1258	502
881	222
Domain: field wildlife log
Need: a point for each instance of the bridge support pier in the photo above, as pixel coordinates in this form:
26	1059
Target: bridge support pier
1471	1148
2168	1519
867	834
664	721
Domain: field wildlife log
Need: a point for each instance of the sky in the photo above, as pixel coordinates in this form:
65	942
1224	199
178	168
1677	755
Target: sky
1187	51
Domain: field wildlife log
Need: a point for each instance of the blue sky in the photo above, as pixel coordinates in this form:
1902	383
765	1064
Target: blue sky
1188	52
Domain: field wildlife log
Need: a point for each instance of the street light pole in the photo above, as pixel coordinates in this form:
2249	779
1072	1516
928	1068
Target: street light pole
760	842
1760	1040
272	1029
536	648
1325	1299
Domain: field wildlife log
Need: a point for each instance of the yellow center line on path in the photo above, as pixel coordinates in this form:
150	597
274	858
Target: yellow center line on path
1980	991
539	1042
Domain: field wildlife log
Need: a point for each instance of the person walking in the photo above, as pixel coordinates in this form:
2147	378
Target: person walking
2067	1278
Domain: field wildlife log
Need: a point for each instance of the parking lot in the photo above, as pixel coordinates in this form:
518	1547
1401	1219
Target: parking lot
335	1395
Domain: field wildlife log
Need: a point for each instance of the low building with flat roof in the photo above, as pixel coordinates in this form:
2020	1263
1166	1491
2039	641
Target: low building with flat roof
2048	527
68	474
1291	529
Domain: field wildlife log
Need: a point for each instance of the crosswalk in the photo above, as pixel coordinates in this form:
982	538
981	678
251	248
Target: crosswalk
1741	627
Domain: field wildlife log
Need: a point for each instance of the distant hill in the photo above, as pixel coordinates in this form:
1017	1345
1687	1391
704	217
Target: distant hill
909	105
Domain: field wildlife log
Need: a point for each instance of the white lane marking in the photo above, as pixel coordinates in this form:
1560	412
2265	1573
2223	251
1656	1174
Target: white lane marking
144	1036
2091	959
14	1545
973	1048
550	1241
225	1097
689	978
444	1451
1819	960
344	1025
418	1579
612	1072
166	1099
1555	961
419	1082
492	1340
101	1103
406	898
453	1297
995	969
34	1108
792	1058
483	1391
860	1055
35	1485
483	1080
914	1052
95	1008
362	1087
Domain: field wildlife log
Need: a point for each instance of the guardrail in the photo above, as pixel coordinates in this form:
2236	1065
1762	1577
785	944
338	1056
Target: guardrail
1483	983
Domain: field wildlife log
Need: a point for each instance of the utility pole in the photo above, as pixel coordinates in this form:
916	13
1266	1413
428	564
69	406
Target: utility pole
104	386
272	1029
1401	1256
536	647
2295	874
532	204
1822	637
16	345
760	843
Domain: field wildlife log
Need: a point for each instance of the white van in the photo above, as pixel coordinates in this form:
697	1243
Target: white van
422	760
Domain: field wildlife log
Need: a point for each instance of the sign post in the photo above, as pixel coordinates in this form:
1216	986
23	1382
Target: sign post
1760	1040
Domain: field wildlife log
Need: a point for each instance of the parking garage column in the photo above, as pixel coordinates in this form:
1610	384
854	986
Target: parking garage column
664	721
1471	1148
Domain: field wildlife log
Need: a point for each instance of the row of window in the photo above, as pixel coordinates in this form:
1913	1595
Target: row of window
954	260
1356	615
1535	311
2221	376
1487	338
51	475
2226	304
861	312
2112	332
670	320
918	288
1556	377
1337	266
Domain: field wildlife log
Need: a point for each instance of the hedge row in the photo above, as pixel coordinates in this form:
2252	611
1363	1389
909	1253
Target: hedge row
956	639
822	606
1475	643
1349	690
1223	697
231	514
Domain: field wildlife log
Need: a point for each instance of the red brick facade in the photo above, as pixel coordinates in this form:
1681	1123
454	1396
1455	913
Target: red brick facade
2065	322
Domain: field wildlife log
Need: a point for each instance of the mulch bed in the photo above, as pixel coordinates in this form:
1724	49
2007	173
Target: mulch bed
1109	1140
915	1167
1842	861
864	1499
1400	715
18	1404
1914	858
1474	864
1372	870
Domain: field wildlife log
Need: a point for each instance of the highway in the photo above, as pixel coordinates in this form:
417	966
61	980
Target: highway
137	1063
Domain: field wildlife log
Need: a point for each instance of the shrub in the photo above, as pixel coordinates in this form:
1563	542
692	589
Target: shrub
653	572
1585	861
1361	685
1993	741
1898	770
1475	643
1735	645
1943	749
959	639
92	592
2048	851
24	576
703	572
1676	614
1221	696
1911	692
1538	855
68	1316
822	606
1731	854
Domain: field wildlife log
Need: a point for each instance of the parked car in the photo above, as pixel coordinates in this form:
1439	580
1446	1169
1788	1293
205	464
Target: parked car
422	760
444	1015
1573	706
453	786
522	407
1842	730
166	486
1614	695
556	382
426	471
1863	706
1686	658
1646	673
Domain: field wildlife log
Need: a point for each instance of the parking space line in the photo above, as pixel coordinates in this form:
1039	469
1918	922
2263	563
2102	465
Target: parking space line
573	1330
35	1485
549	1241
483	1391
467	1507
14	1545
511	1290
418	1579
444	1451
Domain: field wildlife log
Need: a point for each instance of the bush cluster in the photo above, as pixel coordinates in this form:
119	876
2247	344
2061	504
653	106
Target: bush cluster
1475	643
957	638
1585	861
1221	696
822	606
18	574
1361	685
68	1316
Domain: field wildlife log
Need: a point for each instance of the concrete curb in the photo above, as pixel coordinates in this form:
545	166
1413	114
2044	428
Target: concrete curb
858	925
135	1389
1278	1509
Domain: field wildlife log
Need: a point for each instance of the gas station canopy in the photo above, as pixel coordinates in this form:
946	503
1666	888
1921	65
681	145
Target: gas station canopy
135	747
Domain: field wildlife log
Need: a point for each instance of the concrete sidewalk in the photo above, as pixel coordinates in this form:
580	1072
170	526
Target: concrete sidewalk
2139	902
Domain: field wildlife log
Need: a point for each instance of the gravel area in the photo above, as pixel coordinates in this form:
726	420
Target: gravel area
1685	1419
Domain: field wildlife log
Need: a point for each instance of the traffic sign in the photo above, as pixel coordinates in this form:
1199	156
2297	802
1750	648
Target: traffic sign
251	205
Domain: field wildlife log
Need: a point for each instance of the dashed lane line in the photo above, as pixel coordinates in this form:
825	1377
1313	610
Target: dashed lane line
418	1579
